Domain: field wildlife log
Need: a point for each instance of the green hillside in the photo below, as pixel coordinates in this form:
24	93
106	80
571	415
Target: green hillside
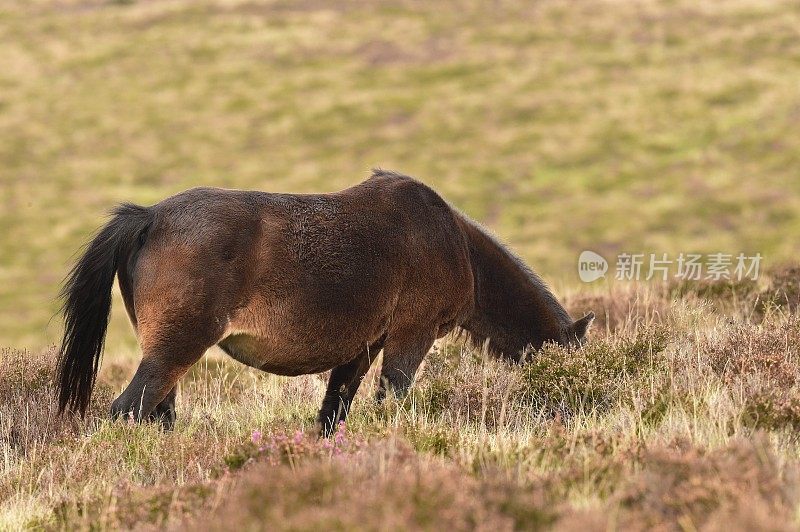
563	126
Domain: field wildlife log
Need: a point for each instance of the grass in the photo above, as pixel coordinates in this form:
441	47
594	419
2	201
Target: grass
647	126
683	415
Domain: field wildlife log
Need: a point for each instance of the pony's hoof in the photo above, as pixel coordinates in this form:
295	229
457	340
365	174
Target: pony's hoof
324	429
164	416
119	411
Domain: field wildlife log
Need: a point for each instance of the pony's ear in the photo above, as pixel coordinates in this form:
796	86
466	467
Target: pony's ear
581	326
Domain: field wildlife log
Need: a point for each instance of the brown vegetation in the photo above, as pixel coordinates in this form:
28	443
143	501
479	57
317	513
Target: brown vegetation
680	418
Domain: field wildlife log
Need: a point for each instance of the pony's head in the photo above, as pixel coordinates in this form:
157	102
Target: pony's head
574	335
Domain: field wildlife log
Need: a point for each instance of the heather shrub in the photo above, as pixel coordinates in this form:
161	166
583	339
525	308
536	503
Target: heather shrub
282	448
129	506
27	393
380	487
564	382
466	385
757	356
767	409
683	486
783	291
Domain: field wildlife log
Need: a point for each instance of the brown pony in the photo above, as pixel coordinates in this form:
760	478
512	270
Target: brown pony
295	284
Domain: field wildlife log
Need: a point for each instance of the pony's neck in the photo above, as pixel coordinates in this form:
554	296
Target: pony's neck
514	309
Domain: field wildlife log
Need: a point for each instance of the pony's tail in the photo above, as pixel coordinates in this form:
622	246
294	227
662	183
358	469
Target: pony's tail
86	294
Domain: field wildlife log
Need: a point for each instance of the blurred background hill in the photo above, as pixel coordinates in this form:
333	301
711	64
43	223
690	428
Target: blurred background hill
657	126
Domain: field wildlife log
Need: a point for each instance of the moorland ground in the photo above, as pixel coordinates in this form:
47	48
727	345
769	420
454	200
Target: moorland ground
615	126
681	413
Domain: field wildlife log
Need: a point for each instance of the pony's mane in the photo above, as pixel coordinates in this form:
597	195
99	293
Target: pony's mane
380	172
542	287
535	283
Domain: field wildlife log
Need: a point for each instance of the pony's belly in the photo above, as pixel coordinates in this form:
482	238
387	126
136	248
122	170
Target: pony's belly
244	348
260	353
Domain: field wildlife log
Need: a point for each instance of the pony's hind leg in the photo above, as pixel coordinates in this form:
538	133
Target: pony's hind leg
151	392
342	387
153	383
179	300
164	412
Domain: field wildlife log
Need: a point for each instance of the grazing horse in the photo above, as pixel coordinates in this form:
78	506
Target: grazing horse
295	284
